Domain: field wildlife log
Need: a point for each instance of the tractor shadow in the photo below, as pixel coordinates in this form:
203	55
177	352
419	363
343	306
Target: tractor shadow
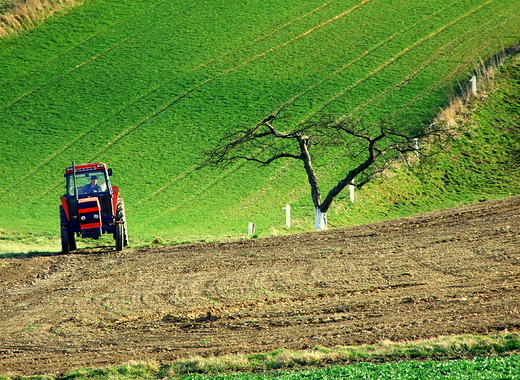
101	250
26	255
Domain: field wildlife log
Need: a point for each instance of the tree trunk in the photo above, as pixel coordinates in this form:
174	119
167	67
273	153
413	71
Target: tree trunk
320	220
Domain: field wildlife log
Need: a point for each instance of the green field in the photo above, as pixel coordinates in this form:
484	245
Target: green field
498	368
484	369
148	86
480	368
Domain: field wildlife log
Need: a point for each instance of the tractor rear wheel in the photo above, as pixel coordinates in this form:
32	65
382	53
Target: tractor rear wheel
71	237
121	217
64	232
72	241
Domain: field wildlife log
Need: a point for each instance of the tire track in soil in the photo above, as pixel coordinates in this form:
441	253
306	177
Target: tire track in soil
447	272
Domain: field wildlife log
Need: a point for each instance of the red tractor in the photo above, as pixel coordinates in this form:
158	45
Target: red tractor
91	207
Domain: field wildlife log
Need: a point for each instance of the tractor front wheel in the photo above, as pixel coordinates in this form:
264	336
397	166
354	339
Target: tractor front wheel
119	236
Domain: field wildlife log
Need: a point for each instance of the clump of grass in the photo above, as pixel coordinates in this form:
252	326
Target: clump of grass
17	377
132	370
17	16
158	241
228	363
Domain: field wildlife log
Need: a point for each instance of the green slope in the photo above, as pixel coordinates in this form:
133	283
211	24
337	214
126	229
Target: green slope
148	86
481	161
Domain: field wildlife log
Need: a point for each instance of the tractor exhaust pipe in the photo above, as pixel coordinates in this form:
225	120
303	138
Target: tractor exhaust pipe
74	180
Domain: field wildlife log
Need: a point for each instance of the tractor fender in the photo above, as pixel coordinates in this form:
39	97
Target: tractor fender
115	199
65	205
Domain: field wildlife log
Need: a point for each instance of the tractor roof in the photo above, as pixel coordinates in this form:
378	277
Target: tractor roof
86	167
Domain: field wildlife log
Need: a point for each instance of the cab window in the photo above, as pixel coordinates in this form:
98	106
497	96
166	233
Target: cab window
87	183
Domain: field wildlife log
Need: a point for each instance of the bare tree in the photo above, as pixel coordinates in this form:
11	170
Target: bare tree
367	147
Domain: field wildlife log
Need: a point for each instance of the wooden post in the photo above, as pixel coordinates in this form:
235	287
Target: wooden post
251	228
473	82
287	209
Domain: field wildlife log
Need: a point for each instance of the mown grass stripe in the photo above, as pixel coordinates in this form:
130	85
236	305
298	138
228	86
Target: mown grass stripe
258	39
359	58
430	58
229	70
98	55
335	18
185	201
390	61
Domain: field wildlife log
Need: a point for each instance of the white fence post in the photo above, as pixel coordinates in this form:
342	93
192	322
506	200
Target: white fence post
473	82
287	209
352	189
251	228
416	147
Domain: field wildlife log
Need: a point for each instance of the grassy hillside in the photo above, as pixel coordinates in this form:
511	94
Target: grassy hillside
479	161
148	86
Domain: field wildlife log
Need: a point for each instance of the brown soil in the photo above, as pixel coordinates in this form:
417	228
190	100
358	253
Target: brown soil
450	272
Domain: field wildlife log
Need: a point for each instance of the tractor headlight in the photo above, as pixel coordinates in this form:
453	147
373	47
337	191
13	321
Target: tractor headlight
83	217
96	216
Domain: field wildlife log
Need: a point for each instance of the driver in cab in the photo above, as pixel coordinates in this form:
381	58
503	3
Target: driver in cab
92	187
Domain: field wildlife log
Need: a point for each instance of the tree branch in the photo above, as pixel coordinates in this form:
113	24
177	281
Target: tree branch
369	147
269	160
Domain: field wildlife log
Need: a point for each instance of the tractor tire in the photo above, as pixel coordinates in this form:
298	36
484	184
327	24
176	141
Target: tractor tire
72	241
71	236
119	236
64	232
121	217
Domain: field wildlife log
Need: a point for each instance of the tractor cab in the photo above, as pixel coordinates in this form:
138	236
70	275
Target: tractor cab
88	184
91	206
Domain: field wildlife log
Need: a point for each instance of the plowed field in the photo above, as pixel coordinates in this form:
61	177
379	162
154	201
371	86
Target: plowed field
449	272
